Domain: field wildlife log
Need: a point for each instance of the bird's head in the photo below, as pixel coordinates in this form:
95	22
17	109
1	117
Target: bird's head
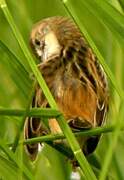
51	35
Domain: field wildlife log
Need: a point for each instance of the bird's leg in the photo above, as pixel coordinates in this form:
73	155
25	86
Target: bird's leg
54	126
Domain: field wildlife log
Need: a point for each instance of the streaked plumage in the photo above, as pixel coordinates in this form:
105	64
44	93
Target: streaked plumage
74	76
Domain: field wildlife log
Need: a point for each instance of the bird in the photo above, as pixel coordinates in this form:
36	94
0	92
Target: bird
75	78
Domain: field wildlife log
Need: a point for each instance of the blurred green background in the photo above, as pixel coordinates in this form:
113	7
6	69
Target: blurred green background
15	86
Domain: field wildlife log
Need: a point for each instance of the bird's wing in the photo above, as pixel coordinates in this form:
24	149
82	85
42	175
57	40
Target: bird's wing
33	127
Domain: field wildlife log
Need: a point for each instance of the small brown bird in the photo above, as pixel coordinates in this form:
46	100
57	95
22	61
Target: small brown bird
74	77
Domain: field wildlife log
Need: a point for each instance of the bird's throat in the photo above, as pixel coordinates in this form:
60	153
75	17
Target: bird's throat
52	46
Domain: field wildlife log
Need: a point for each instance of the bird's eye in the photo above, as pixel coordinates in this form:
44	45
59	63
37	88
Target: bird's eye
37	42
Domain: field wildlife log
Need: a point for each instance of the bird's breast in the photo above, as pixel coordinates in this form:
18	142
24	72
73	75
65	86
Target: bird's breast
74	99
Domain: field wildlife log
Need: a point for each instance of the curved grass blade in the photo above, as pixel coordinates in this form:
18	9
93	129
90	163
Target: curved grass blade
108	15
121	4
17	71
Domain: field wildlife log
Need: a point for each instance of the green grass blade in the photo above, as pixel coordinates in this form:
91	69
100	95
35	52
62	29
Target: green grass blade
12	157
121	4
117	167
107	14
92	132
6	166
34	112
17	71
113	142
15	144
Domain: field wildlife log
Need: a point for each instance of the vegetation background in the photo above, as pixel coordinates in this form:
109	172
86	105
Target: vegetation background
108	35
